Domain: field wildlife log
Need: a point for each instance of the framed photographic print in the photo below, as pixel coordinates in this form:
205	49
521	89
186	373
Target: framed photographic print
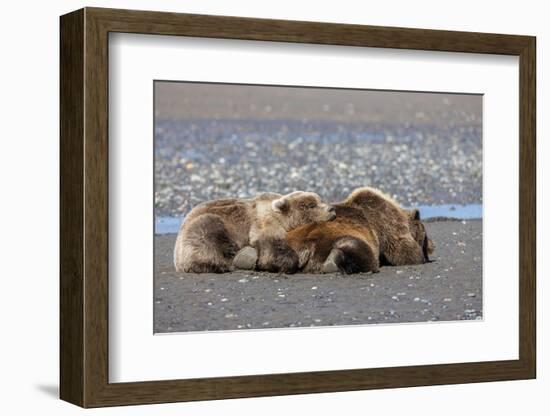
255	207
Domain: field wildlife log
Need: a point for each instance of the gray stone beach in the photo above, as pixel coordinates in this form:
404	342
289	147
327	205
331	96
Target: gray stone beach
216	141
423	149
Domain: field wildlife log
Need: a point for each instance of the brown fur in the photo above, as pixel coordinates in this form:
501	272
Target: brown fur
370	228
214	232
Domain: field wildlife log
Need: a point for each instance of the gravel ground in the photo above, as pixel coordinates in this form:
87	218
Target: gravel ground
233	141
449	288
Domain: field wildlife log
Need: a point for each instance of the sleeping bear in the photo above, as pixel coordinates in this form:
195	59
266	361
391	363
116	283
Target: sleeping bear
250	232
370	230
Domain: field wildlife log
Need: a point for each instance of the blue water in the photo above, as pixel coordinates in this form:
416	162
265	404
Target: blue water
463	212
167	225
170	225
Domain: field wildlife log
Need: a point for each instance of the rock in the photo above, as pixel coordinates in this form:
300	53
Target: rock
246	258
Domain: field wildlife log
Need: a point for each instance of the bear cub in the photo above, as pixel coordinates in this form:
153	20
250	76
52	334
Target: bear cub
252	231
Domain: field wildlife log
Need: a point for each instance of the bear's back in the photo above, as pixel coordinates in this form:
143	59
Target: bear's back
234	211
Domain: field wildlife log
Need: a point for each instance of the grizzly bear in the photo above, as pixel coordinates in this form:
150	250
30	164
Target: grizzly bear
214	232
370	230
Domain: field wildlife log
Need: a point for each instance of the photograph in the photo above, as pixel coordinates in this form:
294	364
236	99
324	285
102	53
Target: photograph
295	206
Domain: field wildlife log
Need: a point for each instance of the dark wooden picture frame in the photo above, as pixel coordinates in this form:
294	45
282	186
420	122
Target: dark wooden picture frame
84	207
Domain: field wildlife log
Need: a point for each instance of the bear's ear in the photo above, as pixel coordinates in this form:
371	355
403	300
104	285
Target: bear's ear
280	205
415	214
